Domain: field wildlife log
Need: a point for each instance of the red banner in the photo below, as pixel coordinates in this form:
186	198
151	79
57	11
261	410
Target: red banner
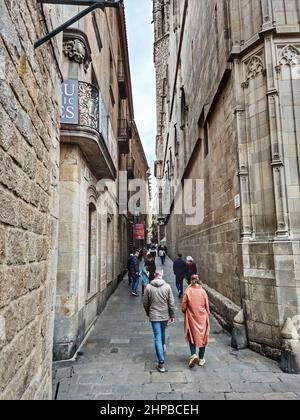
139	231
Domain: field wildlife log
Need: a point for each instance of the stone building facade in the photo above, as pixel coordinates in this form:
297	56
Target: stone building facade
97	114
138	172
228	85
66	115
29	176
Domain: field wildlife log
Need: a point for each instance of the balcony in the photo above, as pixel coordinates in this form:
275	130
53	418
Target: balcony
84	121
124	135
130	163
122	80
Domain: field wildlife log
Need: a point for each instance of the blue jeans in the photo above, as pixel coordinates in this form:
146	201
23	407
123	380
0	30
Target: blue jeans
159	330
135	283
179	284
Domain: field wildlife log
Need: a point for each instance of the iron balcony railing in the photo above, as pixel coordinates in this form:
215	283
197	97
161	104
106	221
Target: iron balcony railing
82	105
130	163
124	129
88	99
122	80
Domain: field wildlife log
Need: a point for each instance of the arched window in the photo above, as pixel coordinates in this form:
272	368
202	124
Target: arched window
109	250
92	249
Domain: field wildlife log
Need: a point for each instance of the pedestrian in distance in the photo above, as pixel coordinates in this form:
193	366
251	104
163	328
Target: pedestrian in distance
191	269
162	255
144	275
159	306
153	251
150	267
195	307
141	254
134	272
179	268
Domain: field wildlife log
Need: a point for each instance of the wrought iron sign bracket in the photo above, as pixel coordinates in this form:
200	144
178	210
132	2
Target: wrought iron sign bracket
92	5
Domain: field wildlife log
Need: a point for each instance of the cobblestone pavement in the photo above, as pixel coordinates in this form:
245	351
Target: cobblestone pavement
118	363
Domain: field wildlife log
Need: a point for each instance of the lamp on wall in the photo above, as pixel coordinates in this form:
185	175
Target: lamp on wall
92	5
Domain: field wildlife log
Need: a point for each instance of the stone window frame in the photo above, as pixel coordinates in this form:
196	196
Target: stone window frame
110	225
92	285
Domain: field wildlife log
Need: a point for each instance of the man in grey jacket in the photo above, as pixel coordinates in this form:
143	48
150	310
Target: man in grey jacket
159	305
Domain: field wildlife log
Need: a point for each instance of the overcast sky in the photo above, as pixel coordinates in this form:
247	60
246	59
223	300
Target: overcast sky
140	39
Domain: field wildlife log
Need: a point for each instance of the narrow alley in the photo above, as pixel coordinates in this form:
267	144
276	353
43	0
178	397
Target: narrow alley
118	362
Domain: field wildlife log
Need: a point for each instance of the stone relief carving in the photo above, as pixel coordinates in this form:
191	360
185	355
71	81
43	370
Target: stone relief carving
254	67
289	56
76	48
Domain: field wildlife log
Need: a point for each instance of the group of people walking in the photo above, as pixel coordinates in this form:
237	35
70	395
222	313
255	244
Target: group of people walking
183	269
159	304
135	273
158	251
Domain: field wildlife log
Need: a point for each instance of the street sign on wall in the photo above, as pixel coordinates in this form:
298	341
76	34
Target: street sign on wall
139	231
69	102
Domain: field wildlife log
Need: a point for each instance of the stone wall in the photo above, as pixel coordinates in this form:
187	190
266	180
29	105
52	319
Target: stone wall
29	159
91	254
232	119
76	306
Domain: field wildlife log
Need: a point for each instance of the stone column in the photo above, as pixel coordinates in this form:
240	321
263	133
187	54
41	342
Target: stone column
276	144
243	157
267	14
235	26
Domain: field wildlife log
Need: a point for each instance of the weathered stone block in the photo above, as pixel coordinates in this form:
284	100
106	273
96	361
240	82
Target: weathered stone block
259	332
284	263
8	208
5	289
262	293
239	339
283	248
2	244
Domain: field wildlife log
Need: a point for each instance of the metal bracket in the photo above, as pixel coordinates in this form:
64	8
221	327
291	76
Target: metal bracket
94	4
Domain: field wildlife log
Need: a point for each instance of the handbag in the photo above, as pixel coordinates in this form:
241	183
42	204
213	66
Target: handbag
145	277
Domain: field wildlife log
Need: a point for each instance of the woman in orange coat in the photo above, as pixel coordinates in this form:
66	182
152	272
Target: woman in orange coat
195	306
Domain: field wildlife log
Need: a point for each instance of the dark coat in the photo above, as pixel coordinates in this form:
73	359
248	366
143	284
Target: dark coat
179	267
151	268
134	266
191	268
